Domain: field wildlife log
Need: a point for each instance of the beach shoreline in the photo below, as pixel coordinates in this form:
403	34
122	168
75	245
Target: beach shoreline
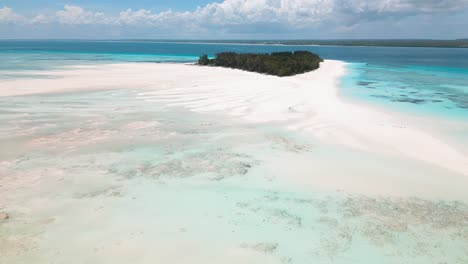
142	161
308	103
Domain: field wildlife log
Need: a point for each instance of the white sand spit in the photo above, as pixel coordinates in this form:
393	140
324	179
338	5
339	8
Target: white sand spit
308	102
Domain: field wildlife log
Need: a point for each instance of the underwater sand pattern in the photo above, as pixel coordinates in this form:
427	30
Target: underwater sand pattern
145	181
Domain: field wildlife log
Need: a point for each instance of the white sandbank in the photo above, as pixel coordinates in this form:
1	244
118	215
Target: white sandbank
307	103
268	170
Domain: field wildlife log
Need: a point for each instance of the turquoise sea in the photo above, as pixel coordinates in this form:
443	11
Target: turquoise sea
427	81
105	177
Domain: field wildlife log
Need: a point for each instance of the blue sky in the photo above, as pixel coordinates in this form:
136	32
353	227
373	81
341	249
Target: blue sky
113	6
233	19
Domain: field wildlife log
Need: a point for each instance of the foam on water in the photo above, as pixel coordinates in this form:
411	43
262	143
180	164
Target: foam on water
106	177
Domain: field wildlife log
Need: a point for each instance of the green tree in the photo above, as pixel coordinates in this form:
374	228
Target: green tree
203	60
277	63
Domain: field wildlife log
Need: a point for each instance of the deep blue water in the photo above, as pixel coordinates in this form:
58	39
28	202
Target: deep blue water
431	81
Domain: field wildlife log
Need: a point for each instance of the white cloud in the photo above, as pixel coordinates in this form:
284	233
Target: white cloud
40	19
135	17
75	15
7	15
295	13
230	14
146	17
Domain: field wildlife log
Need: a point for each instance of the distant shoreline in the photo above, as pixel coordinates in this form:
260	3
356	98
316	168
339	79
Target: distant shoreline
402	43
395	43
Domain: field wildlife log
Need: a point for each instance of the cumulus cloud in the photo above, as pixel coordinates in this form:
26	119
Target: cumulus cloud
77	15
235	14
40	19
7	15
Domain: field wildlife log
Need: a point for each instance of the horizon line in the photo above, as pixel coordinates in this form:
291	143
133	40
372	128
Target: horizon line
246	39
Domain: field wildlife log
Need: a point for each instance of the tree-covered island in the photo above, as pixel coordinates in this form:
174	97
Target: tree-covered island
277	63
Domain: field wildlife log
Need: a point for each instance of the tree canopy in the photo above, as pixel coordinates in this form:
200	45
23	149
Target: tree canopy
277	63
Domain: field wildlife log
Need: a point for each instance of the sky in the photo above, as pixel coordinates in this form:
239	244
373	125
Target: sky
233	19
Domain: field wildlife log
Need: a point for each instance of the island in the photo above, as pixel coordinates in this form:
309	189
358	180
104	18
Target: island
276	63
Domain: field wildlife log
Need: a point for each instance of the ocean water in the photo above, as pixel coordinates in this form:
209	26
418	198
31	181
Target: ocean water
422	90
105	177
421	81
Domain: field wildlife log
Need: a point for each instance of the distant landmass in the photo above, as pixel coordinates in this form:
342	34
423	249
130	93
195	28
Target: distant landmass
276	63
430	43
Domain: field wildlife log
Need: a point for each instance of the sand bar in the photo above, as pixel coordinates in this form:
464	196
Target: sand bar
309	102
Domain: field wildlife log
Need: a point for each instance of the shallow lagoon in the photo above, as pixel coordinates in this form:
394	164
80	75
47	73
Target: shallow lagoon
420	90
106	177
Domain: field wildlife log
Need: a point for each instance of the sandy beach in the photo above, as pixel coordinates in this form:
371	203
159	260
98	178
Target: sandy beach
273	159
307	102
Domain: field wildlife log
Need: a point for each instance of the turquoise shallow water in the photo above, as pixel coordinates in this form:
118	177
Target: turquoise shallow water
422	90
25	61
104	177
421	81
